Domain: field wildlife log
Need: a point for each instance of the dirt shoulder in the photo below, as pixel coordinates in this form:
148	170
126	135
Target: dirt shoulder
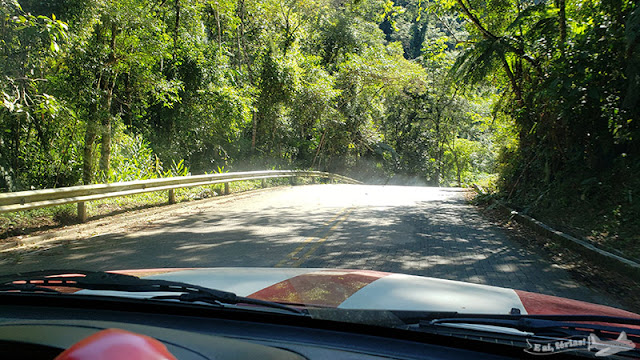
120	220
592	275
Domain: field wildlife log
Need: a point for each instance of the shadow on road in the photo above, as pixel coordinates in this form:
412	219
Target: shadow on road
443	238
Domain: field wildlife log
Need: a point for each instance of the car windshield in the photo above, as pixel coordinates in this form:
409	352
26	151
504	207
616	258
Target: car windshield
449	156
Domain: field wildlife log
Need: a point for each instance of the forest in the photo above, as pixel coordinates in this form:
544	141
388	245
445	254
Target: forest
537	101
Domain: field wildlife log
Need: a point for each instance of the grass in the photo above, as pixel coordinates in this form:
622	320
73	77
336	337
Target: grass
27	222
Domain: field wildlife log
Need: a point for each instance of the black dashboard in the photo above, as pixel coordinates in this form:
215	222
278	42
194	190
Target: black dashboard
36	329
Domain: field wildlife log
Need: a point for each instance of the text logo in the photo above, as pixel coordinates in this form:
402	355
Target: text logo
593	342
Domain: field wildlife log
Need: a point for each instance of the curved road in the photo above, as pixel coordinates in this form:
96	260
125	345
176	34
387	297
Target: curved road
414	230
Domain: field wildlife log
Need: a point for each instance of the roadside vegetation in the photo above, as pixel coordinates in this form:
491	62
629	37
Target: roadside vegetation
571	68
538	102
34	221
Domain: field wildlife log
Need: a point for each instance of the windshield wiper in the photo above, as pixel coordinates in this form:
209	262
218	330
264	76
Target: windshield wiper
42	281
27	288
555	325
552	324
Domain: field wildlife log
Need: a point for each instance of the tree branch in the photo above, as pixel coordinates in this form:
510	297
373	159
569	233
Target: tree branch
485	33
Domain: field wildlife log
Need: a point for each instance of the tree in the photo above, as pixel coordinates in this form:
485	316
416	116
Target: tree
114	61
29	117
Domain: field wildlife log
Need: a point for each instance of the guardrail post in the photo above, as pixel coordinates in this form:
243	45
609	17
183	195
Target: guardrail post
313	179
172	196
226	188
292	180
82	212
264	183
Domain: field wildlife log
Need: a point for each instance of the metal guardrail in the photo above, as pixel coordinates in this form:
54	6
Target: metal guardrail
26	200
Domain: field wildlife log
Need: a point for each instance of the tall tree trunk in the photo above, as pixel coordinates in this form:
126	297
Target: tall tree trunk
87	160
456	161
254	131
512	78
105	143
15	161
17	134
175	32
562	24
89	141
313	164
242	41
436	178
105	133
105	113
440	164
217	15
91	131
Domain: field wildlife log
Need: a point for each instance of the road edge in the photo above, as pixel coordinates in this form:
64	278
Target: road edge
620	264
66	233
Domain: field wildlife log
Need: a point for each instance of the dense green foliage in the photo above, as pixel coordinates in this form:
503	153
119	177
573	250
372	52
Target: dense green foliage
441	92
97	90
572	71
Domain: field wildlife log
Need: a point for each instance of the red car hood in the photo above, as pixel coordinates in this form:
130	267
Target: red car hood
363	289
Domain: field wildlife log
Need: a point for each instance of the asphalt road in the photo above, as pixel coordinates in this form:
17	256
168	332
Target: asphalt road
413	230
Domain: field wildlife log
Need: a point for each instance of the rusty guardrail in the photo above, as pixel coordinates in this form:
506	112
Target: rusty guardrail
33	199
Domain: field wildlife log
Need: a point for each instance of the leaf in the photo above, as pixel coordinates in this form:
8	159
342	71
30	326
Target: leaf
522	19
